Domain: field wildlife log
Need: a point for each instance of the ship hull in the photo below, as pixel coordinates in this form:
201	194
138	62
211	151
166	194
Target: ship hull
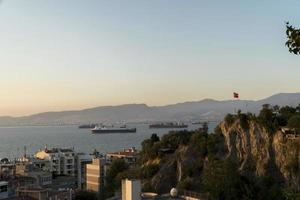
168	126
87	126
100	131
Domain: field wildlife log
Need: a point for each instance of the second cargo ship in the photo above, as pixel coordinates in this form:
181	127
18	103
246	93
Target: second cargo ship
168	125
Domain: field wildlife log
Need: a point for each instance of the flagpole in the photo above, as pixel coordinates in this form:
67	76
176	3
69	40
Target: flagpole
235	96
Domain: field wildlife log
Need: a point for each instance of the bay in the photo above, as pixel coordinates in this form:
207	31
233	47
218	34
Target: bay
14	139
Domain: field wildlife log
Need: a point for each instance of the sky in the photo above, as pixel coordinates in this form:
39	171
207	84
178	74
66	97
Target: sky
74	54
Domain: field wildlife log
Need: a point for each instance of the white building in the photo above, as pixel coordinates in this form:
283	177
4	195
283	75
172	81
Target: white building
131	189
62	161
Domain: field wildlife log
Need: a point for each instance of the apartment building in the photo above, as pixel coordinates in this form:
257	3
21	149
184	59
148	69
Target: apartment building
28	169
95	175
129	155
62	161
81	161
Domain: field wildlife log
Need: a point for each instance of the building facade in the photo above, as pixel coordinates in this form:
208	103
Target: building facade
129	155
131	189
81	161
95	175
62	161
29	169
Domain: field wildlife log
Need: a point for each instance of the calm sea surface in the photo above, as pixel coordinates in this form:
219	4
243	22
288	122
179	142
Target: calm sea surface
13	139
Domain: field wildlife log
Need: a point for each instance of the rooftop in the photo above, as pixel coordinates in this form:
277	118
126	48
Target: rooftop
126	152
56	150
122	153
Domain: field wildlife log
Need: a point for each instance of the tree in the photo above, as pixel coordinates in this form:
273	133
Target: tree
291	194
85	195
223	181
205	127
154	138
293	39
266	118
276	108
287	112
112	182
229	119
294	122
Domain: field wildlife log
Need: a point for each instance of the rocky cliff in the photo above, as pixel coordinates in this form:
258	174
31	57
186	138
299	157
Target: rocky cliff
261	153
257	152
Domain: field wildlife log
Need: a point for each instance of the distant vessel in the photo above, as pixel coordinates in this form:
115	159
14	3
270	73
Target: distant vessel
168	125
87	126
104	129
197	122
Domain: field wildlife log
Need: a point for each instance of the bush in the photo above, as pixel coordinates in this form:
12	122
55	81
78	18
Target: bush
229	119
185	184
221	180
199	141
154	138
85	195
150	150
291	194
294	122
134	173
175	138
218	130
243	121
149	171
112	181
266	118
215	144
287	112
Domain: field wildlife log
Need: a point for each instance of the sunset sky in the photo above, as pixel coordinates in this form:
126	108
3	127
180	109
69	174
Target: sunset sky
69	54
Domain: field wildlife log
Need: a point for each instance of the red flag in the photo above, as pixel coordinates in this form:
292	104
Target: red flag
235	95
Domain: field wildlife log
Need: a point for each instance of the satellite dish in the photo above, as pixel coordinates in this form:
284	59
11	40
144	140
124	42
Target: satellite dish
174	192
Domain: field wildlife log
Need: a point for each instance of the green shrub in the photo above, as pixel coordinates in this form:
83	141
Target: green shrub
229	119
149	171
294	122
85	195
185	184
243	120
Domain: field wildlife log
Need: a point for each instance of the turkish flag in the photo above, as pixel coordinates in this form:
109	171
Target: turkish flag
235	95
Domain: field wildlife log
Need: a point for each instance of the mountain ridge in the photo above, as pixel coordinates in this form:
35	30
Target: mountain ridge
206	109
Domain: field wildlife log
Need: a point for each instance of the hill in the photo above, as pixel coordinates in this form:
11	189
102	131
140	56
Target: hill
207	109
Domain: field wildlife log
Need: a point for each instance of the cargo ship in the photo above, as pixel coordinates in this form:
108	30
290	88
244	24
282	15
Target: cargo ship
87	126
104	129
197	122
168	125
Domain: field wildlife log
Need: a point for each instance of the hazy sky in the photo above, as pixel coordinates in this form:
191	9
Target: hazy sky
68	54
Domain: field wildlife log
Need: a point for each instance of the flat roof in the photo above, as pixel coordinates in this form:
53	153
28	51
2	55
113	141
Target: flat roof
122	153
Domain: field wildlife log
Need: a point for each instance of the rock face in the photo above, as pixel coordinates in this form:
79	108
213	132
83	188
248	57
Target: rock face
171	172
257	152
263	154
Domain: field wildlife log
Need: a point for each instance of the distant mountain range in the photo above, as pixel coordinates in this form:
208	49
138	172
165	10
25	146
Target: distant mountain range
207	109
